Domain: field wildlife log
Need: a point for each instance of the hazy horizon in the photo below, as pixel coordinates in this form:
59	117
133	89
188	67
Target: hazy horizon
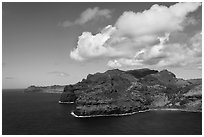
61	43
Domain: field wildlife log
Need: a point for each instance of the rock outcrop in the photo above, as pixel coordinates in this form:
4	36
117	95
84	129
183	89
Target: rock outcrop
45	89
68	96
120	92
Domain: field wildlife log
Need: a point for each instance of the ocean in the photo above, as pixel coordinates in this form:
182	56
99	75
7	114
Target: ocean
41	114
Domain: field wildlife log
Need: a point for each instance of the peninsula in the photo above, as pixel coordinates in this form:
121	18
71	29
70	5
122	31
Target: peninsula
116	92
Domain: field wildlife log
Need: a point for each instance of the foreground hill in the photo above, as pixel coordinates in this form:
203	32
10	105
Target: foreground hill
119	92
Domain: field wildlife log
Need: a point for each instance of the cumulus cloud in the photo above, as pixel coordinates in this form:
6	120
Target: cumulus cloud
142	39
88	15
155	20
117	63
165	54
90	46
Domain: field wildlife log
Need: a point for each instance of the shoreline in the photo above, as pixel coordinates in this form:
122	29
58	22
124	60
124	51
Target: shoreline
42	92
60	102
132	113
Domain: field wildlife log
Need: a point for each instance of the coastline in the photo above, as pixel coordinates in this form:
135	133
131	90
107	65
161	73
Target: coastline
46	92
60	102
127	114
52	92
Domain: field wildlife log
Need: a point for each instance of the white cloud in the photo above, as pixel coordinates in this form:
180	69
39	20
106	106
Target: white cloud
196	44
117	63
114	64
166	54
155	20
142	39
90	46
88	15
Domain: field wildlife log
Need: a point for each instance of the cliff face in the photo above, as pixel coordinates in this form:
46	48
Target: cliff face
45	89
119	92
68	95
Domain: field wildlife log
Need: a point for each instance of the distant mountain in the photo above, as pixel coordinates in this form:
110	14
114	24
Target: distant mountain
120	92
45	89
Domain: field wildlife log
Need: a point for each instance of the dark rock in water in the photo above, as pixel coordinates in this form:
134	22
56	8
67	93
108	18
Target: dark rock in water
45	89
120	92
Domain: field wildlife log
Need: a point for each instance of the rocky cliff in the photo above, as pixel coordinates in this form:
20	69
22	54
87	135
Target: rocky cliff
120	92
45	89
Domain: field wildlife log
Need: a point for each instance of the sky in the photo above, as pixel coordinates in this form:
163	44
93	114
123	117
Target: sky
61	43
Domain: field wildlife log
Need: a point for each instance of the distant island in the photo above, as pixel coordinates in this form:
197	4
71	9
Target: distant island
116	92
45	89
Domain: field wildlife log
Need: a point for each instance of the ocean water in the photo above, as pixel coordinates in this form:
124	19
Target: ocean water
40	114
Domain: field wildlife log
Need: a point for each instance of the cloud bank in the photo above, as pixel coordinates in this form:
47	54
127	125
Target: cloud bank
143	39
88	15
